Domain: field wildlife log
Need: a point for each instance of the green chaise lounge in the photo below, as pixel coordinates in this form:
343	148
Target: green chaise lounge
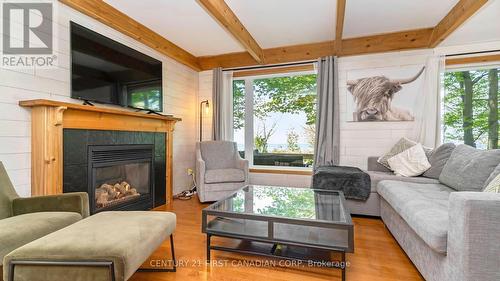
23	220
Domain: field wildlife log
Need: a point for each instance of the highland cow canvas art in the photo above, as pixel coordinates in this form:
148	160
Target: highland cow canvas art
384	94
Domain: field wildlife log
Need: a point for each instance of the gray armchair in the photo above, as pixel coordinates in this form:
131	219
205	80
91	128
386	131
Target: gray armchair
23	220
219	170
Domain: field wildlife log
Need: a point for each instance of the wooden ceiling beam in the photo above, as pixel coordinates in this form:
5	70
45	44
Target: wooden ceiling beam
405	40
278	55
457	15
472	60
339	28
226	17
110	16
274	70
387	42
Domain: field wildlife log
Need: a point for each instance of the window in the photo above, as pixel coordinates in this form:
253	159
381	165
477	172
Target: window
470	108
274	119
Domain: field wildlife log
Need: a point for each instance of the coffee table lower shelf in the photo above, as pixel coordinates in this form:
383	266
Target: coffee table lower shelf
315	255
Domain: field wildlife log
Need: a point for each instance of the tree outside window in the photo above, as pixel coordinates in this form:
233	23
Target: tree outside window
471	107
284	113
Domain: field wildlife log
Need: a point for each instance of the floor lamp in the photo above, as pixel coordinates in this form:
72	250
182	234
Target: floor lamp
187	194
207	107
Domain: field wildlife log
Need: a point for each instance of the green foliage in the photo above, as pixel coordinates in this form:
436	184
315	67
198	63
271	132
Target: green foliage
146	98
454	121
287	202
262	137
310	134
239	203
238	104
292	140
289	94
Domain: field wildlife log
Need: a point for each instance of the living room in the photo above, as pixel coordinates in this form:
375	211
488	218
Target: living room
249	140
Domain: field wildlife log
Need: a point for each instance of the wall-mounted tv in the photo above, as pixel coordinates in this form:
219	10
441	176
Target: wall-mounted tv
105	71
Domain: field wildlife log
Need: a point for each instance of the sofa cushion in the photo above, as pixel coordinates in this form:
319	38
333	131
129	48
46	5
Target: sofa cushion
423	206
493	176
494	185
411	162
224	175
438	159
7	194
19	230
468	168
377	177
402	145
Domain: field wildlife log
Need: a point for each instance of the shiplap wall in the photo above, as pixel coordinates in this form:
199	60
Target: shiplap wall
205	93
359	140
180	96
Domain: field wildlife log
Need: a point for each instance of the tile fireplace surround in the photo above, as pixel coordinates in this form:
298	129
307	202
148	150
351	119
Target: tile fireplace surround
49	119
94	158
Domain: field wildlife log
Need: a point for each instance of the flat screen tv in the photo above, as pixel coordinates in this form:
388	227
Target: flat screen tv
105	71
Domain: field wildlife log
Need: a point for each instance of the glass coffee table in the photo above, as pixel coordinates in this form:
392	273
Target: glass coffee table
283	222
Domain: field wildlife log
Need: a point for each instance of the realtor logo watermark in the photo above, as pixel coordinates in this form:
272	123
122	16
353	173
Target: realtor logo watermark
28	34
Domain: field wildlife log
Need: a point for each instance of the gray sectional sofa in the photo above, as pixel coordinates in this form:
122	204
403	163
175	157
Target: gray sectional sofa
447	226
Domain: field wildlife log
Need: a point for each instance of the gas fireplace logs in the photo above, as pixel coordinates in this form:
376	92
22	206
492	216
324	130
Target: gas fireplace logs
108	194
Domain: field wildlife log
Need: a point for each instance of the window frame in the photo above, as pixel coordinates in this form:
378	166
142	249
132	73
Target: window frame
249	125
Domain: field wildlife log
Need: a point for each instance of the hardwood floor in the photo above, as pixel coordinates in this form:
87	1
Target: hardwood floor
377	255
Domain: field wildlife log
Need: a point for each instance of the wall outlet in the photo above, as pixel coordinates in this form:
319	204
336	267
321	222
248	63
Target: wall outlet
189	171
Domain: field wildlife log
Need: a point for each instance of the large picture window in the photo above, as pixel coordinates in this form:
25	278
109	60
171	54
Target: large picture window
274	119
470	109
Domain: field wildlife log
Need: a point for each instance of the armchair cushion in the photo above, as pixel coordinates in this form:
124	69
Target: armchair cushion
19	230
7	194
219	154
77	202
224	175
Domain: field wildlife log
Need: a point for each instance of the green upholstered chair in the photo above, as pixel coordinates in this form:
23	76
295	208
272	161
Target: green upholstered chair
23	220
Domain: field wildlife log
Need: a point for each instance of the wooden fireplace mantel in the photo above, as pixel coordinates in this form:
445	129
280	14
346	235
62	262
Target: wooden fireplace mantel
49	118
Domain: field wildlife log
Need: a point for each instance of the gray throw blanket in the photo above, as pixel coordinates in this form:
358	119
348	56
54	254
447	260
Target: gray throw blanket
355	183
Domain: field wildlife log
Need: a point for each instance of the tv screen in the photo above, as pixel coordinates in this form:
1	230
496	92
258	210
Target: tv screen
105	71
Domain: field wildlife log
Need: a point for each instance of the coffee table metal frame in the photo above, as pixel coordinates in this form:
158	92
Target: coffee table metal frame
271	220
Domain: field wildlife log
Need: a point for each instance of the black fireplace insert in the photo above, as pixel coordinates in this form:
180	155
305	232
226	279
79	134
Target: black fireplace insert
120	177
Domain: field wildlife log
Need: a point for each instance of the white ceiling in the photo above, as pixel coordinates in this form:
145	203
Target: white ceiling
484	26
368	17
183	22
275	23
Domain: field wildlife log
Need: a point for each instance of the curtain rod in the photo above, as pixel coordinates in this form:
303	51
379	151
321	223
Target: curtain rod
269	66
472	53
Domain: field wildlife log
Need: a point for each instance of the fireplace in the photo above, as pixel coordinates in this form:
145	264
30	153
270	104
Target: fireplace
120	170
120	177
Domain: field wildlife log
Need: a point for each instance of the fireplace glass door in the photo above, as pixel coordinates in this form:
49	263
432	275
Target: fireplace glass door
121	176
121	183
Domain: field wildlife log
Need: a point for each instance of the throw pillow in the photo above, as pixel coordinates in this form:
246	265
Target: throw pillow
438	159
492	176
411	162
494	185
468	168
402	145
